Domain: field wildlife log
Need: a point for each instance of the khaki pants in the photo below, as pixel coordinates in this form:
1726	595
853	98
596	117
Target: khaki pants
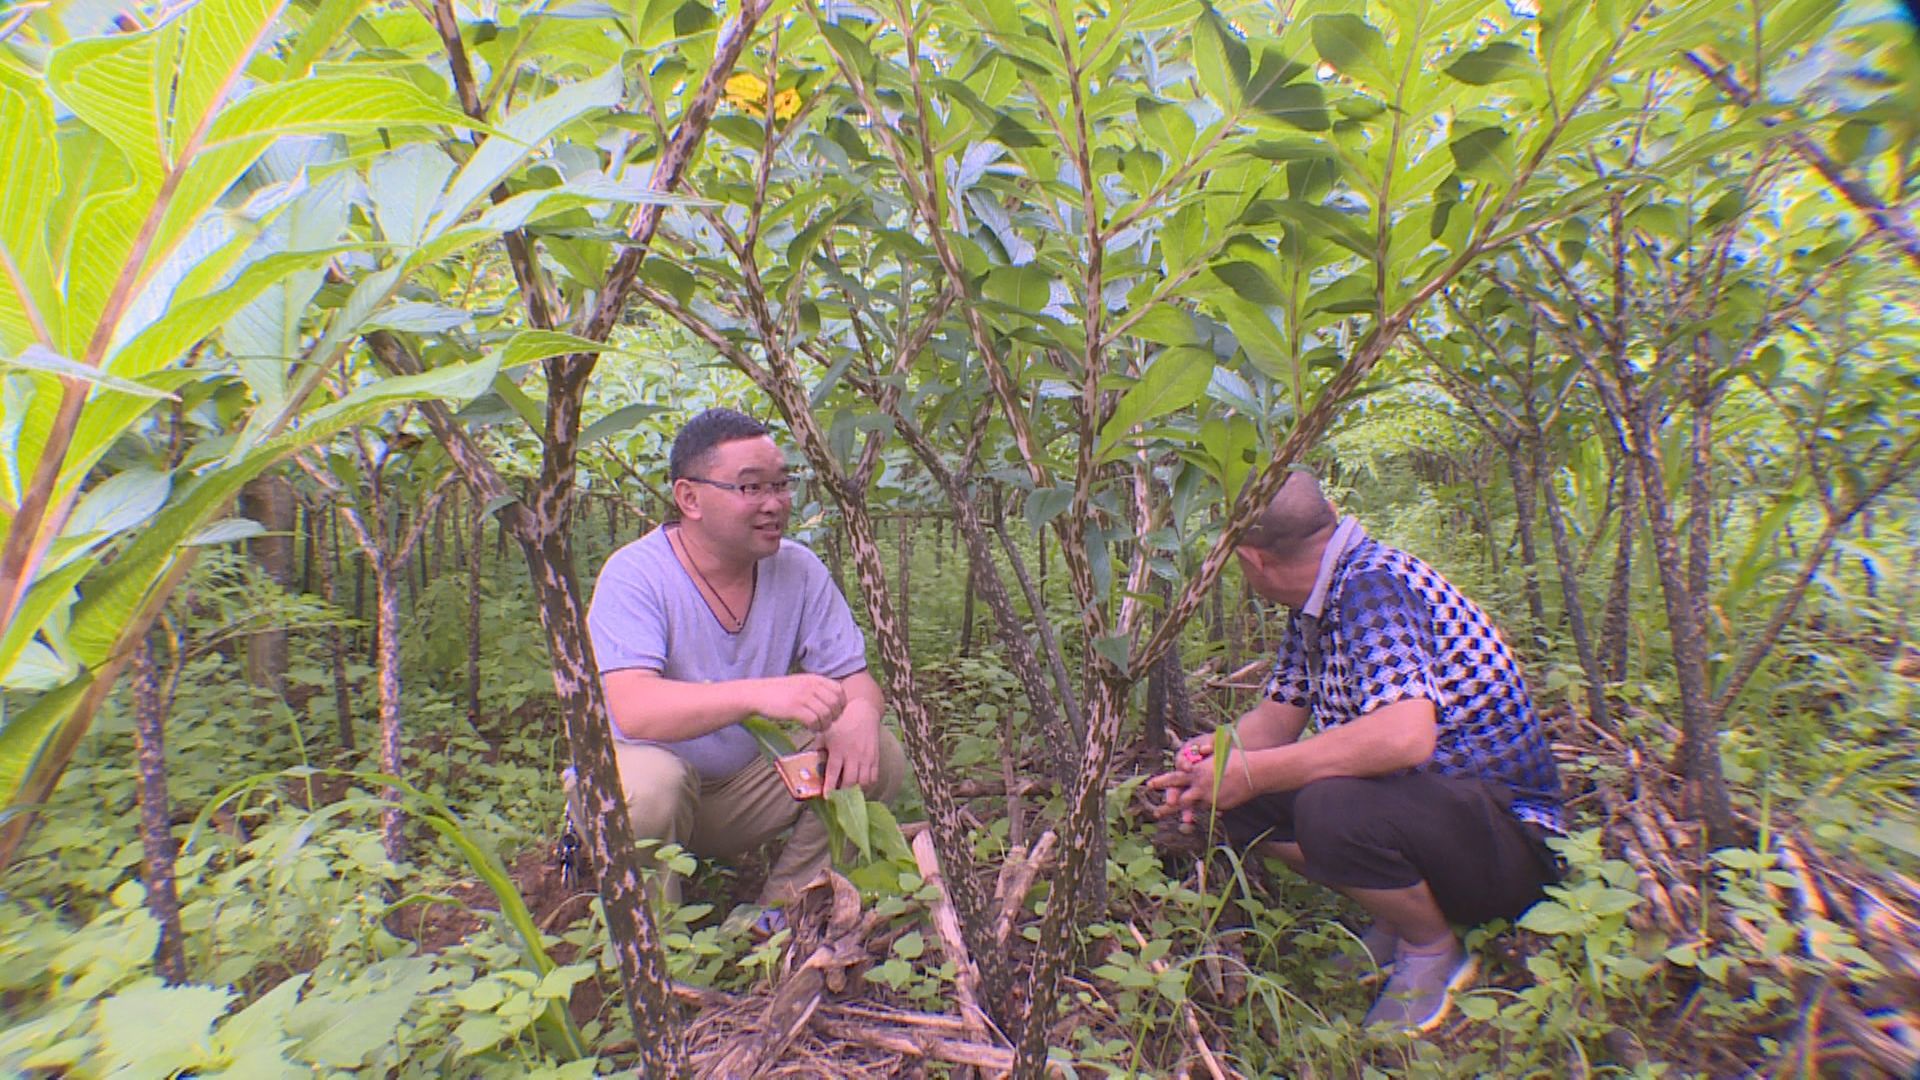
721	819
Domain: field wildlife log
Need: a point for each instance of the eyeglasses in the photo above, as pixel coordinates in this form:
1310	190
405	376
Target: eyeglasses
759	489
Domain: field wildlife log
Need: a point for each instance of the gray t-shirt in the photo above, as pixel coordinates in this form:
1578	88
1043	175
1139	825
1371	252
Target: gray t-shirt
648	613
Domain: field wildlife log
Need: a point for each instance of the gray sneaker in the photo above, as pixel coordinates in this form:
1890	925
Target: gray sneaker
1379	943
1420	992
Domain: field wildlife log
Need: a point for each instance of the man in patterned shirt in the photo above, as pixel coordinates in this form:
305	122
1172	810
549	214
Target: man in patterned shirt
1428	790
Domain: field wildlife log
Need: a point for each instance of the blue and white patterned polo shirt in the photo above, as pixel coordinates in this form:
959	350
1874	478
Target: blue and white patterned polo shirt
1382	627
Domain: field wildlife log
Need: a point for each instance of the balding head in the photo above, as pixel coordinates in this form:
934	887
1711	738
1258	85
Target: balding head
1295	520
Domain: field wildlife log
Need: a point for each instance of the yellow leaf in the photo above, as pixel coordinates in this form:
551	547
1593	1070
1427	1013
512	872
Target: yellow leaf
747	91
786	103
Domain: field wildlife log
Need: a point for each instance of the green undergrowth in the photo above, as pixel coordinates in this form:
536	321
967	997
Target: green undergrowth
308	951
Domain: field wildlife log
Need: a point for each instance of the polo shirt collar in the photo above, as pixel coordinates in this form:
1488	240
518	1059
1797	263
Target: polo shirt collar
1345	536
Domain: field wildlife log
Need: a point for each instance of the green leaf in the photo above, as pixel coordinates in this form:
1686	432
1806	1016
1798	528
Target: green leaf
261	1026
531	346
23	733
1220	58
1176	379
229	531
405	187
1045	504
46	361
52	593
417	317
341	1029
1497	62
330	103
910	946
848	805
1027	288
154	1030
1353	47
1167	126
1480	152
558	984
1250	282
1117	650
618	421
28	296
519	135
478	1033
1552	917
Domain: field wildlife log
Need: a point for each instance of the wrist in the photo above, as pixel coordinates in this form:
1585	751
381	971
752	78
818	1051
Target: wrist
858	711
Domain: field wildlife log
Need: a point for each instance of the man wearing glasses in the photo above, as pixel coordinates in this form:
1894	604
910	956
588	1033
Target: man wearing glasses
717	617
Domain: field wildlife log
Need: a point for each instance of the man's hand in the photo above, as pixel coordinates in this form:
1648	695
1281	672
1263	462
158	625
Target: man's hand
812	701
852	744
1190	786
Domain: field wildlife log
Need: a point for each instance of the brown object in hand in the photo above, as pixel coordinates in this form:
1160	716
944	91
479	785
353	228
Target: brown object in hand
804	773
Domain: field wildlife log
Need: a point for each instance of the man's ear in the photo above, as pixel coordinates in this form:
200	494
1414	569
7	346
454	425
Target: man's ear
686	496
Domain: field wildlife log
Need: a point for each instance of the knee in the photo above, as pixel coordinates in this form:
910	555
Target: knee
658	789
1335	814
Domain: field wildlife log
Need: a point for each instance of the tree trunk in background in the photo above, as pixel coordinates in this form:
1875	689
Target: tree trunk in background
1699	750
393	833
1570	589
1168	705
1236	619
1700	496
307	528
1067	754
1616	628
1526	510
473	617
269	500
457	510
156	820
906	569
1483	516
966	612
363	630
336	636
836	559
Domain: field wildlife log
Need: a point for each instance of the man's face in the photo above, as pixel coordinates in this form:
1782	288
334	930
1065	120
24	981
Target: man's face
728	519
1267	578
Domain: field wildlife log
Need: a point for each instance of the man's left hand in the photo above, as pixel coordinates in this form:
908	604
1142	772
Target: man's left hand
852	744
1191	784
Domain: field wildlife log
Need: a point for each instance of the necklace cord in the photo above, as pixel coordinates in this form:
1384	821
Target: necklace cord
738	622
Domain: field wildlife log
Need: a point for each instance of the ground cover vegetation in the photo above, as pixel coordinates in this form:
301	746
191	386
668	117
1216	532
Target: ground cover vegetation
341	341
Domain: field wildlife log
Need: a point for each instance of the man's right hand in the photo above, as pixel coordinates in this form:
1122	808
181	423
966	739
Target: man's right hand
812	701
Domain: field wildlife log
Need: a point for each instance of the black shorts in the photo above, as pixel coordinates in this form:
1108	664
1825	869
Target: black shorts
1393	832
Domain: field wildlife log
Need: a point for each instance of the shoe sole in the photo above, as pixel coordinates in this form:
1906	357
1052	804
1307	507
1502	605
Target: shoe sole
1462	979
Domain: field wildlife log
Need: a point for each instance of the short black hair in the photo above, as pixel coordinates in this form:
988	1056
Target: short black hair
698	436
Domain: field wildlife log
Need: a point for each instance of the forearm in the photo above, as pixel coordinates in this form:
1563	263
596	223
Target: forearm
646	706
1400	736
1269	724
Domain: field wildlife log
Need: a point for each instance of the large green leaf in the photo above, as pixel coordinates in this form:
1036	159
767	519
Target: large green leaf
152	1030
330	103
1220	58
519	135
27	286
22	734
1176	379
